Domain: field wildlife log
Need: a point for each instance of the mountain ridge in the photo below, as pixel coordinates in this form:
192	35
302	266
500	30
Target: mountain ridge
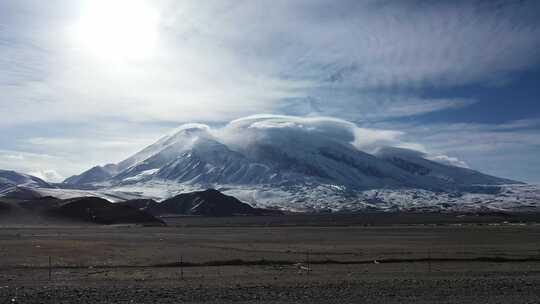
298	164
193	155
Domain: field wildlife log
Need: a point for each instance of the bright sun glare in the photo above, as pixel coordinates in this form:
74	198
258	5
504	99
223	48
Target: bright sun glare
117	29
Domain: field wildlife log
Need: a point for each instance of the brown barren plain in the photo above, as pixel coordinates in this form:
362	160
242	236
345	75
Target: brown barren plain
290	259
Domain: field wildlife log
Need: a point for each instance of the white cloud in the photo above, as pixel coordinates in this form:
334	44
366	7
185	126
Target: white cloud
368	106
242	132
416	106
48	175
219	60
473	137
215	61
32	163
77	147
447	160
449	144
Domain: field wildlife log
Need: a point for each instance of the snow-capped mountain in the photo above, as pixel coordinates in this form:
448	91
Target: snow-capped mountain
193	155
10	179
94	175
418	164
295	164
19	185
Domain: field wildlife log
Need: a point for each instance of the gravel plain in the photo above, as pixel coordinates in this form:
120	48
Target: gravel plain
488	263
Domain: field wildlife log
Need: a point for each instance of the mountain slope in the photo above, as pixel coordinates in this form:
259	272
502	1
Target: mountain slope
283	161
9	179
416	163
101	211
194	156
20	192
96	174
81	210
191	155
208	203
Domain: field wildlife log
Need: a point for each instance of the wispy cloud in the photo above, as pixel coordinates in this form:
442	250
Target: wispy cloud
48	175
366	107
510	149
31	163
220	60
212	62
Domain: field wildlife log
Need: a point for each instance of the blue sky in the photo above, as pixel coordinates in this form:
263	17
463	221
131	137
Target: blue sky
88	82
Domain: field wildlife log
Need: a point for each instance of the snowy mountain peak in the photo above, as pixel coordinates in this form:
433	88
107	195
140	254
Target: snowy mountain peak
11	179
281	160
279	150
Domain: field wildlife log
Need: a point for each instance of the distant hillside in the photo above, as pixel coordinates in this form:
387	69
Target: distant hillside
203	203
11	179
94	175
50	210
19	192
101	211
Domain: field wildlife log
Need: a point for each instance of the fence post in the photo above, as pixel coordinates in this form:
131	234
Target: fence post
50	268
429	261
181	268
308	262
